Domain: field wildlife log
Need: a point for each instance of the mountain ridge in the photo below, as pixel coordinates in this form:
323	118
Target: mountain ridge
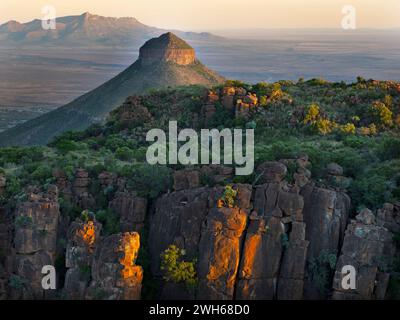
89	29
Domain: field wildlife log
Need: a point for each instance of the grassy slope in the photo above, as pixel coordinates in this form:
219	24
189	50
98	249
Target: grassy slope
95	105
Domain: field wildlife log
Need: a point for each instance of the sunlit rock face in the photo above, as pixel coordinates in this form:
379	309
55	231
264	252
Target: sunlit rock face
191	220
131	274
219	252
167	48
274	254
83	237
115	275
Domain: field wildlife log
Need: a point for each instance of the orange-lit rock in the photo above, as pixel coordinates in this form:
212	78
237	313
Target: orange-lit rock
114	269
130	244
219	250
212	96
251	247
83	238
88	233
261	258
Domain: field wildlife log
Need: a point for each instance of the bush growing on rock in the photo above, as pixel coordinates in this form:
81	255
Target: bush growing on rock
176	269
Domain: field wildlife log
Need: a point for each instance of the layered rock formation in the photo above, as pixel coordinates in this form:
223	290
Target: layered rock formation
220	246
83	237
271	240
114	271
369	249
168	47
35	240
235	100
273	244
130	209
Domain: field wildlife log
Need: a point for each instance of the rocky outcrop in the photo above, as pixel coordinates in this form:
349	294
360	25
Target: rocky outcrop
274	254
389	217
292	271
132	113
272	171
369	249
219	248
208	109
228	98
282	238
177	219
63	184
186	179
260	261
102	268
325	213
107	179
35	240
245	105
80	189
336	178
216	174
191	220
115	273
233	99
83	237
130	209
262	255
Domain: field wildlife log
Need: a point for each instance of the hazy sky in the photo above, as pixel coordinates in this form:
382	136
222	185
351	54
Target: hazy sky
218	14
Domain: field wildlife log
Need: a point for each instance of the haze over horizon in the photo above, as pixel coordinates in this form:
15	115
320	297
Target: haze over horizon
225	14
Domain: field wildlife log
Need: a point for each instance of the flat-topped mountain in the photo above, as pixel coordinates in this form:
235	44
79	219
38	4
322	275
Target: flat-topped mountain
165	61
167	47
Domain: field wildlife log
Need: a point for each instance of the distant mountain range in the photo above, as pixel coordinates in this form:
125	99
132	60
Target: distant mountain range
88	30
163	61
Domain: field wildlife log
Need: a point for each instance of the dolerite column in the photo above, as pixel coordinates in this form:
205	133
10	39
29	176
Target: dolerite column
36	223
115	273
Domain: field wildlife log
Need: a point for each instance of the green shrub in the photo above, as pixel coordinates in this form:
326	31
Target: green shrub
64	145
321	269
389	148
176	269
149	180
124	154
42	173
17	282
110	221
228	198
